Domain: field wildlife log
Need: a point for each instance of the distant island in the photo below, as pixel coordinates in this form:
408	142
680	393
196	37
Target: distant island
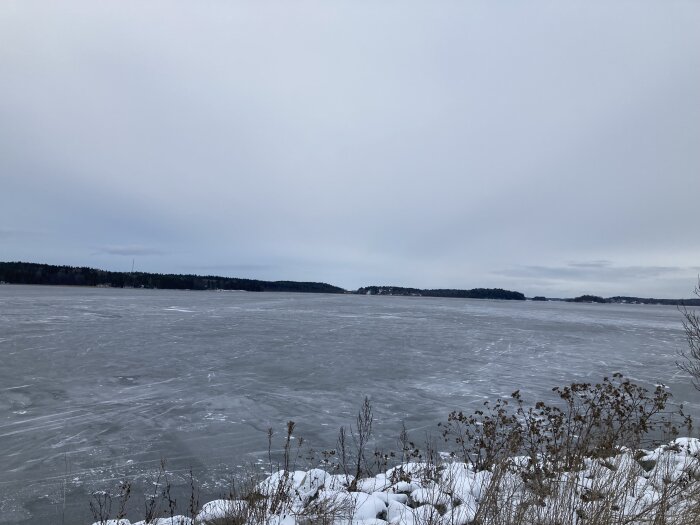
475	293
619	299
587	299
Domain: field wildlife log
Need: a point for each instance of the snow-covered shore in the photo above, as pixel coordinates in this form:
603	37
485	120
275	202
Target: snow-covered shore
634	487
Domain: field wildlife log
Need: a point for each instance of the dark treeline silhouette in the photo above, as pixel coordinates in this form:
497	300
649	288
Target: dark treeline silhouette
651	300
618	299
587	299
475	293
31	273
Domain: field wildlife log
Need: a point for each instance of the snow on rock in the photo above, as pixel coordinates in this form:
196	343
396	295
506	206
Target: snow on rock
373	521
397	511
424	514
358	505
367	506
681	447
455	471
338	481
462	514
386	497
295	488
284	519
221	508
376	484
404	487
624	464
642	497
583	480
471	485
399	514
174	520
170	520
687	446
329	496
670	467
431	494
282	481
412	470
314	480
113	522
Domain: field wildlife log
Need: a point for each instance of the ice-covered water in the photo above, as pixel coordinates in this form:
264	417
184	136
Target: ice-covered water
99	384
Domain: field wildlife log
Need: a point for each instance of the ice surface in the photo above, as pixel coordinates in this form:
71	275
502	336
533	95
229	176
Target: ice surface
97	385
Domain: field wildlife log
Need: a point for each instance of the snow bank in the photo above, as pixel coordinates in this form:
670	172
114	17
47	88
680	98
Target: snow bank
452	492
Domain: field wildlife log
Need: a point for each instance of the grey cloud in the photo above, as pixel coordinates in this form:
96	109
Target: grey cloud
354	142
18	233
606	279
591	264
606	270
130	250
234	269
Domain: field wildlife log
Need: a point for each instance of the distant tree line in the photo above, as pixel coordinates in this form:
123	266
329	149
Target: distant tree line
32	273
475	293
587	299
618	299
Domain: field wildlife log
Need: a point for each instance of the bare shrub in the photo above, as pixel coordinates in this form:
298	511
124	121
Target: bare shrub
690	358
591	420
101	503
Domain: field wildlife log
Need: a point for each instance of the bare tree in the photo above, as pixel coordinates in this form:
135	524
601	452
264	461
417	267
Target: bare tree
690	359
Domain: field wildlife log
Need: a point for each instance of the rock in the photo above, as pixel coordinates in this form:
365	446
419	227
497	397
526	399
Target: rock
221	508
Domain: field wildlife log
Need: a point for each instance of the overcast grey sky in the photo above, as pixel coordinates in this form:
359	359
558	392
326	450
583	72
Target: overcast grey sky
546	147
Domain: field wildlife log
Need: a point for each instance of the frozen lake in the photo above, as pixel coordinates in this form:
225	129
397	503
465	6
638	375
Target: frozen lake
99	384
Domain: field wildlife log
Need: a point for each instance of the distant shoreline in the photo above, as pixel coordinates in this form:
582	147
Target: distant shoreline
47	274
19	272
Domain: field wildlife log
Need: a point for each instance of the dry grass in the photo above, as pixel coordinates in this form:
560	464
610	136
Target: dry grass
578	461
